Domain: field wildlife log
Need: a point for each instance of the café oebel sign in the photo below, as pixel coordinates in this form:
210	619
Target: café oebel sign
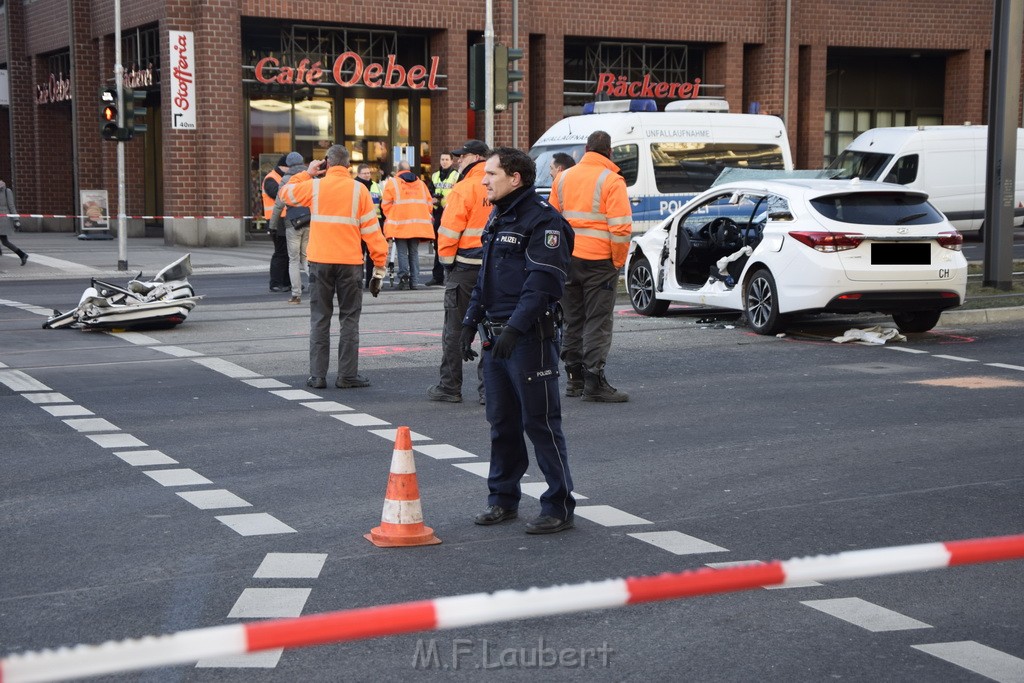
349	70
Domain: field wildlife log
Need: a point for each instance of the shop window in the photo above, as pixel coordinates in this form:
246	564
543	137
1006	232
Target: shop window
270	127
314	126
426	158
366	118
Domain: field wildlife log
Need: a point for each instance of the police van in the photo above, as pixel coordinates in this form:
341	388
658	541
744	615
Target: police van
667	156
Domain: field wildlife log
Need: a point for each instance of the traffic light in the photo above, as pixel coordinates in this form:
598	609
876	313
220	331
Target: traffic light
108	113
505	75
133	115
477	77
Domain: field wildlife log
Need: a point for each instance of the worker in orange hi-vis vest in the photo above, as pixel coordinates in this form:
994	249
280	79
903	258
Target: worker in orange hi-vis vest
408	218
592	197
460	252
342	218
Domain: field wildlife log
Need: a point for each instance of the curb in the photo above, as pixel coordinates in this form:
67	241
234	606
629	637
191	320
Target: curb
983	315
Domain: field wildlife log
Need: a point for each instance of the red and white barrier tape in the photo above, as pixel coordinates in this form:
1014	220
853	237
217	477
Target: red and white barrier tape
112	218
485	608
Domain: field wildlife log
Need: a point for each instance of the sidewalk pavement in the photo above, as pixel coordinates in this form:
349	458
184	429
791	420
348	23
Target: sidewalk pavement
62	256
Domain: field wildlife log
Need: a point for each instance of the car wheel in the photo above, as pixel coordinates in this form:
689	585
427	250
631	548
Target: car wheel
761	303
916	321
640	284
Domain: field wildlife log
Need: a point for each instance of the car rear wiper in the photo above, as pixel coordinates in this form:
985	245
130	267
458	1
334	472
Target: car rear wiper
911	217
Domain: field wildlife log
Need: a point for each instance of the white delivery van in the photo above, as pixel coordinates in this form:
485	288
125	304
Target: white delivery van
948	163
668	156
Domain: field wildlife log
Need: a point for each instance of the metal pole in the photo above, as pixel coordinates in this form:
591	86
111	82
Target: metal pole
122	235
489	76
1007	31
515	43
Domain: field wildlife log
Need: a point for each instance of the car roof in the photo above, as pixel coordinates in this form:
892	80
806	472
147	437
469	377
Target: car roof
809	188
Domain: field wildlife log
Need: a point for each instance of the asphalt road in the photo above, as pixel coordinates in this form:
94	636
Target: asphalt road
750	448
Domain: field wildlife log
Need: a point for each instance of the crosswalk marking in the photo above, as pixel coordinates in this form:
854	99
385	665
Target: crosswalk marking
678	543
291	566
117	440
47	397
177	477
390	434
177	351
978	658
606	515
865	614
67	410
326	406
16	380
226	368
442	451
265	383
255	524
214	499
96	424
295	394
144	458
788	584
359	419
269	603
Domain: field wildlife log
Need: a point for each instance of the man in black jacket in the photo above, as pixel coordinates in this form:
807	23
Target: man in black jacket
526	251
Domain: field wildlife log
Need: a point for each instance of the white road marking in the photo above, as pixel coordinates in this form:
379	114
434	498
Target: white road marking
94	424
116	440
226	368
67	410
144	458
978	658
291	566
788	584
177	477
865	614
268	603
326	406
480	469
904	349
39	310
957	358
359	419
136	338
16	380
255	524
50	397
678	543
295	394
535	489
66	266
1004	365
264	659
265	383
606	515
390	434
442	451
214	499
177	351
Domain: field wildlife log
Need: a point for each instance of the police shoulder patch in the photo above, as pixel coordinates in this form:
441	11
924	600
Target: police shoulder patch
552	238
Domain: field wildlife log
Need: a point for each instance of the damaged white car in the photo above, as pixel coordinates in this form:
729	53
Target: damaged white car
770	248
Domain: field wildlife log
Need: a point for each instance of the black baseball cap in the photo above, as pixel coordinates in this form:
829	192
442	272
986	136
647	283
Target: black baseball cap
472	147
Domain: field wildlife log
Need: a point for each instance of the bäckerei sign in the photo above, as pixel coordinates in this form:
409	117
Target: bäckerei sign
609	84
349	70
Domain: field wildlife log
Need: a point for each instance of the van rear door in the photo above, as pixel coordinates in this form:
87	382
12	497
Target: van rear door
949	174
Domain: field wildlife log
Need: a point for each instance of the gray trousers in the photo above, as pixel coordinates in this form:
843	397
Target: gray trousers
588	304
327	280
458	286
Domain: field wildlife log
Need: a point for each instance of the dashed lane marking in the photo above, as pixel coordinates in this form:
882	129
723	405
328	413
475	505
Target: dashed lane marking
606	515
92	424
956	358
177	351
214	499
47	397
16	380
67	410
535	489
980	659
269	603
265	659
177	477
224	367
391	434
116	440
295	394
787	584
327	406
1005	366
904	349
359	419
291	566
266	383
480	469
442	451
865	614
678	543
255	524
146	458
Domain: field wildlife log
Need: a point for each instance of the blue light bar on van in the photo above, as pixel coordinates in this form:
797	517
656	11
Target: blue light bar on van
619	106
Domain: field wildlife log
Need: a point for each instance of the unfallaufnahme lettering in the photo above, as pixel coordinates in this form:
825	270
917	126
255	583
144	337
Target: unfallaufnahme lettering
485	654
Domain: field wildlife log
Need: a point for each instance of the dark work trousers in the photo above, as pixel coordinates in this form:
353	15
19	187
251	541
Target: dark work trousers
327	281
457	289
588	304
437	273
279	261
522	396
4	241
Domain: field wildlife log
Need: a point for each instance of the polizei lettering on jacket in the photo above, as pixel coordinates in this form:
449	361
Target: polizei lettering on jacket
349	70
620	86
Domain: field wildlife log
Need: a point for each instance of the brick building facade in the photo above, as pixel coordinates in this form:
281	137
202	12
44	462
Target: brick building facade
852	64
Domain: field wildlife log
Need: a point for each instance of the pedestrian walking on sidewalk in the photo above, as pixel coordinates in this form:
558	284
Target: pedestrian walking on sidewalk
7	223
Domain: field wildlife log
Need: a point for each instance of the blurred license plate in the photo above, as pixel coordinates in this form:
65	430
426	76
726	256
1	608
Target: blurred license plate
901	254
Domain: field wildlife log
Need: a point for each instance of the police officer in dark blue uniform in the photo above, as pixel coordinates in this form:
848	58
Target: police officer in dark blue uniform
526	251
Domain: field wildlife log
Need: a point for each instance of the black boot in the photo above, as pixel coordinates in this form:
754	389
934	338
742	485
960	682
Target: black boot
596	388
574	385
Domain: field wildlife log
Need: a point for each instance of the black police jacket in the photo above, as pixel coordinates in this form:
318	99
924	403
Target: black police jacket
526	249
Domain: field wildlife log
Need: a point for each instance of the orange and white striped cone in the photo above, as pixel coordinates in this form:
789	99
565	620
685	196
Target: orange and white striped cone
401	523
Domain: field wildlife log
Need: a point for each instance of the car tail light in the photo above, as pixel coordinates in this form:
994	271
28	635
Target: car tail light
951	240
828	242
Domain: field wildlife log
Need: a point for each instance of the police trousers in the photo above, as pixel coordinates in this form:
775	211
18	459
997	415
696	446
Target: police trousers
458	287
327	281
523	398
588	305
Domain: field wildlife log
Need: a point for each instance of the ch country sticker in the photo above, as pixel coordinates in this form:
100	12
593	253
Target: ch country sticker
552	238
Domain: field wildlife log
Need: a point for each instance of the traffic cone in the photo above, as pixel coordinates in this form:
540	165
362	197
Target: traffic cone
401	523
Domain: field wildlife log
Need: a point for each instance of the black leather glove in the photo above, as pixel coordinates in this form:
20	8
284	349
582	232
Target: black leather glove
466	343
506	343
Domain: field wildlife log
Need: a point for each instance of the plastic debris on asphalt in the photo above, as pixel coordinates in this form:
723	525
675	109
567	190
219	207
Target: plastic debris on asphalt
871	336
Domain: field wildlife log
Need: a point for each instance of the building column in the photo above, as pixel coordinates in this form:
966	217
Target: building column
545	84
22	112
965	87
724	67
807	135
448	107
86	80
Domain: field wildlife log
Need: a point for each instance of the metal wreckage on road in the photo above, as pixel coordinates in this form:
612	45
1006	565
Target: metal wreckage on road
162	302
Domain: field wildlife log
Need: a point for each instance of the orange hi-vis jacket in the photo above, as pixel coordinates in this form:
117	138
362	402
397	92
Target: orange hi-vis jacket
592	197
464	220
408	208
268	201
342	215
